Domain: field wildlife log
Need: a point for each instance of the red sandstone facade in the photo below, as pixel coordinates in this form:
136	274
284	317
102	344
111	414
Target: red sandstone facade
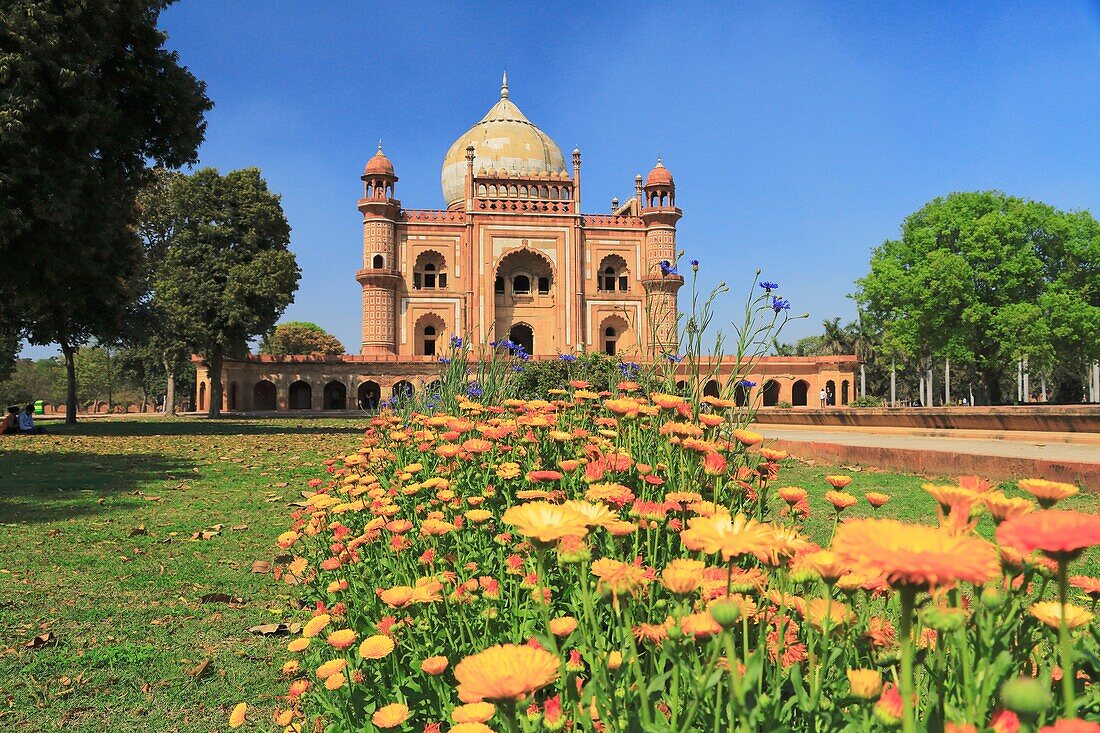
510	257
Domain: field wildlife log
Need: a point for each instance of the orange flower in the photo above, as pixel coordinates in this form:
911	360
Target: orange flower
1091	586
473	712
434	665
477	516
838	482
747	438
335	681
824	563
876	499
315	625
376	647
666	401
914	555
1050	613
331	667
975	483
562	626
618	577
731	536
683	576
822	611
625	407
398	596
594	515
298	645
714	463
1001	507
1048	493
948	496
476	445
1059	533
342	639
390	716
470	728
699	625
771	454
505	672
545	522
865	683
792	494
236	718
1066	725
840	500
535	476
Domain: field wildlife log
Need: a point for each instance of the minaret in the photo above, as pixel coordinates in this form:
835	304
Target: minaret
379	277
660	215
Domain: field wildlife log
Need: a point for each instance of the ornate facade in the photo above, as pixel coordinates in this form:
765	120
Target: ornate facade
511	256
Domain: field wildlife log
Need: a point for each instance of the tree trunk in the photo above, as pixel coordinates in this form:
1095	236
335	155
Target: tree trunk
991	378
170	391
214	366
70	383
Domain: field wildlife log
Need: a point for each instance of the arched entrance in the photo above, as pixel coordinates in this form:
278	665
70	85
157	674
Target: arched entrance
741	394
263	396
800	391
300	396
712	389
830	393
844	392
522	335
336	396
771	393
202	396
369	395
681	387
402	390
233	400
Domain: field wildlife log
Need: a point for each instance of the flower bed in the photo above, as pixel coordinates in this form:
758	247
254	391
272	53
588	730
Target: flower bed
622	562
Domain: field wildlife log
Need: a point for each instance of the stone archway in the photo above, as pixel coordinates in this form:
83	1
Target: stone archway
369	395
402	390
800	392
770	393
741	394
830	393
335	396
264	396
299	396
523	335
712	389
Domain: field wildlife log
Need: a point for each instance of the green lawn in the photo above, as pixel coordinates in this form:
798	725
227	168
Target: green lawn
98	551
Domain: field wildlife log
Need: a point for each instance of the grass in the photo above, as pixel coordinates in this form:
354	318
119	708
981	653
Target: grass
97	551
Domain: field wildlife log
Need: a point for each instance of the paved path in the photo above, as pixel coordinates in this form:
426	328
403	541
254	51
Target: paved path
995	456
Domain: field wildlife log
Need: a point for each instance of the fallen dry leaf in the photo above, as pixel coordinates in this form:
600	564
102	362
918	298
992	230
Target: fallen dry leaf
138	531
200	670
221	598
275	629
261	567
41	640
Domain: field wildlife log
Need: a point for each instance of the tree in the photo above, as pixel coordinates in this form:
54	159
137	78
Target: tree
89	97
229	273
300	337
983	278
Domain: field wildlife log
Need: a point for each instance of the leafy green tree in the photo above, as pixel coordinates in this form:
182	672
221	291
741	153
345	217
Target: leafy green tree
89	97
229	273
300	337
33	380
983	278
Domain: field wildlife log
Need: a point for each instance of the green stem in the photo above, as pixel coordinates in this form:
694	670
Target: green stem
1069	701
905	627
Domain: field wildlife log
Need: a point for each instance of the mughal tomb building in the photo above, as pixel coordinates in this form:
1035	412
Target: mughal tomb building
510	256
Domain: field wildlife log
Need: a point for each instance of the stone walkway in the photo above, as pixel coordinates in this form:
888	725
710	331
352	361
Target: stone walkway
1059	456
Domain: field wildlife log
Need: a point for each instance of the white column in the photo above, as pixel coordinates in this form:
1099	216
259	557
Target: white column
893	385
923	396
1043	383
1027	382
971	395
931	388
947	382
1019	380
862	380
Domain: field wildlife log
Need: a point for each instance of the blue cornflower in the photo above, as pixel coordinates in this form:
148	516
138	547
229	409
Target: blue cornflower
517	368
567	357
674	358
667	268
629	368
695	265
474	391
779	304
456	342
746	383
444	360
493	344
769	285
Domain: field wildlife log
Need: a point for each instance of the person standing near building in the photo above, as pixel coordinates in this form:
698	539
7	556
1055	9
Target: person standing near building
823	395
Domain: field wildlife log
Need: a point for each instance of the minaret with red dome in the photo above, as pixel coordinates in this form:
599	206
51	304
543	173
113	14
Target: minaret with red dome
661	282
380	277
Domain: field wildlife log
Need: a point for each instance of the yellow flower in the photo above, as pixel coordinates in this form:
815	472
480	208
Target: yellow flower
434	665
866	683
335	681
824	563
342	639
730	536
470	728
1047	492
390	716
315	625
683	576
236	718
838	482
747	437
563	625
505	672
614	660
331	667
595	515
545	522
1050	613
1001	507
376	647
617	577
397	597
298	645
822	611
473	712
477	516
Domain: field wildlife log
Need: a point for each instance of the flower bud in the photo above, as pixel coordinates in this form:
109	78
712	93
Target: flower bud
1025	695
992	598
725	612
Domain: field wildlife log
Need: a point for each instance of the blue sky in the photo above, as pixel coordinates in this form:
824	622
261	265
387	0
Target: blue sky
800	134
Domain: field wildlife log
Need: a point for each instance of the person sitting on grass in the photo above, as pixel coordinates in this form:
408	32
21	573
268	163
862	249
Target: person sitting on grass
26	422
10	424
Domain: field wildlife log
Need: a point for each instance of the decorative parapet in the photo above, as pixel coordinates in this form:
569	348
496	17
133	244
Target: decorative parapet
613	220
450	216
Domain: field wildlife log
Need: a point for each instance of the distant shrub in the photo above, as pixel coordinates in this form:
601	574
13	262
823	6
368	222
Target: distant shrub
783	403
866	401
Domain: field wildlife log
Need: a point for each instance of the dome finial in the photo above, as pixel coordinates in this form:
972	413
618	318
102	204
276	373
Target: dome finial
504	85
379	145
